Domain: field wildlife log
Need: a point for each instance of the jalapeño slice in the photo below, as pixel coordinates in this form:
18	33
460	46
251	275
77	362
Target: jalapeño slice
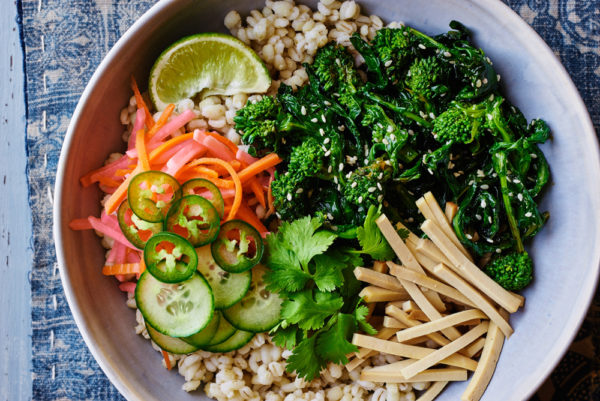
238	247
136	230
206	189
194	218
170	258
151	193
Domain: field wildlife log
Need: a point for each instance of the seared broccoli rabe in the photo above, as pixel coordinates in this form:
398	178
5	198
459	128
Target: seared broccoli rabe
461	123
364	187
263	124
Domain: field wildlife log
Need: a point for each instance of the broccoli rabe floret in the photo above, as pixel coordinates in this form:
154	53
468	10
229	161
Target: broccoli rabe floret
513	271
461	123
264	125
395	49
364	186
426	79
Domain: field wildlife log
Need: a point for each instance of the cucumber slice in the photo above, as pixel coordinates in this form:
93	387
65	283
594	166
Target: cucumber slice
227	288
175	310
259	310
204	336
170	344
236	341
224	331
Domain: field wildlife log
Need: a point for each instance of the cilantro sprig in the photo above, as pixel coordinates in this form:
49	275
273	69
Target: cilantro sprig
321	309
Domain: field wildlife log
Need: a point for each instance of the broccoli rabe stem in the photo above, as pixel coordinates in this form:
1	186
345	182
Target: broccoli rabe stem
500	165
400	110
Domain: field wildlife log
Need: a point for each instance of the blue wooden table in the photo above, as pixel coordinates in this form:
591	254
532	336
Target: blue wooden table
15	217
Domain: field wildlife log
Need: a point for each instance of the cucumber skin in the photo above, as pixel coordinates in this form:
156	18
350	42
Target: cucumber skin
162	342
193	341
237	341
227	326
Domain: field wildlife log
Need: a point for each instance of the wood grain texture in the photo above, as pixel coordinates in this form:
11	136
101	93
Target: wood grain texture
15	218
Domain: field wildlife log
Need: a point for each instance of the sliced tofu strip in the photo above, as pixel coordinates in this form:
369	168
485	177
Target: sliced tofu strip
469	271
428	250
354	363
380	267
487	364
431	375
434	299
410	351
444	224
427	282
433	391
403	318
392	323
446	351
474	348
392	367
383	334
379	279
378	294
450	211
419	315
436	325
475	297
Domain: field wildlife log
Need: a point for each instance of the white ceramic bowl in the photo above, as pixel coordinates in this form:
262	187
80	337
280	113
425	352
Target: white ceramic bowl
566	252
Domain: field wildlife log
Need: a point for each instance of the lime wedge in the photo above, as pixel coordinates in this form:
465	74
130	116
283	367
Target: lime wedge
206	64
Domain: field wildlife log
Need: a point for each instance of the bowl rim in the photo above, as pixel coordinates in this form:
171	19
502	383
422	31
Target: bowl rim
496	7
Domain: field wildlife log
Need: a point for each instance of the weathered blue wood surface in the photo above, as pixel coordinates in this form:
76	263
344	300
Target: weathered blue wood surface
15	218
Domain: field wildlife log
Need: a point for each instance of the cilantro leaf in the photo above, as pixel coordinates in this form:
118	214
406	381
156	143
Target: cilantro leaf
328	272
333	344
302	236
360	314
310	313
371	239
305	361
285	274
285	337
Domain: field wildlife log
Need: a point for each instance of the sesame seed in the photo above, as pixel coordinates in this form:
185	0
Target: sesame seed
371	189
326	141
411	193
430	172
380	198
349	174
393	137
328	153
353	185
341	166
491	97
498	250
323	118
478	217
494	175
327	103
410	219
452	62
314	120
498	77
380	176
447	54
469	236
471	182
528	214
366	161
385	141
431	115
480	173
321	131
422	114
533	156
339	187
390	129
511	194
388	163
483	203
485	186
299	190
289	197
411	132
360	199
329	216
478	83
283	141
388	63
450	165
324	148
456	174
485	81
303	110
335	179
379	186
516	181
341	128
336	94
490	219
421	46
491	241
329	169
520	197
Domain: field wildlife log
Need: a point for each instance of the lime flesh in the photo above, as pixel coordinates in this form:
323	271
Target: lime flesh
206	64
